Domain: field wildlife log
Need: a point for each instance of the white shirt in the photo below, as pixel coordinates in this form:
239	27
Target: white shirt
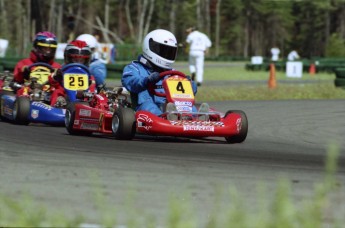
275	53
198	41
293	55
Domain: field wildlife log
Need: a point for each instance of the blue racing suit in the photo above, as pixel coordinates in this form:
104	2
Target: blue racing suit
99	70
134	79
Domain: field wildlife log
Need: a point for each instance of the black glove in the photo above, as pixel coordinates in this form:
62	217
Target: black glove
26	72
57	76
153	77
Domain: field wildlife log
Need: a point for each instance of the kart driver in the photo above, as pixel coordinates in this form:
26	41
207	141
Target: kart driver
44	48
97	66
159	53
77	51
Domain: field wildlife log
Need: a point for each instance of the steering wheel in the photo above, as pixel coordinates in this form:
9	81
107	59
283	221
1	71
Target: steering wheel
65	67
171	73
41	64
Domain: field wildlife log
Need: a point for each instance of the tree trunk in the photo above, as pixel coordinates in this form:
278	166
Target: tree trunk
217	27
148	20
172	16
207	17
106	15
129	20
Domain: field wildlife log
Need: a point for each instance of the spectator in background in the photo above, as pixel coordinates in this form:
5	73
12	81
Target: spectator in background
198	46
97	67
275	51
293	55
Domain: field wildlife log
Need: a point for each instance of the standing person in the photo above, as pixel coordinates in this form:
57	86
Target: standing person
275	51
159	53
97	67
198	46
293	55
44	48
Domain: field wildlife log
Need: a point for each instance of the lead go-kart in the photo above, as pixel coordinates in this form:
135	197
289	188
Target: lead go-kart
30	102
123	122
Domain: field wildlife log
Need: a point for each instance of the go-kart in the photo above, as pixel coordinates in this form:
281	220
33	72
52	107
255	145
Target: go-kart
30	102
94	112
233	125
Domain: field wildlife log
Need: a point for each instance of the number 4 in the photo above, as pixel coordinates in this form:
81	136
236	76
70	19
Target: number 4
179	87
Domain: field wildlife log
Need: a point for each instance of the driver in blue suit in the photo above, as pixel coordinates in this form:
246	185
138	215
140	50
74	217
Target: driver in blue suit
159	53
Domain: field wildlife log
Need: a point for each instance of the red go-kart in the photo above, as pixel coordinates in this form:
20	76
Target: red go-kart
233	125
94	112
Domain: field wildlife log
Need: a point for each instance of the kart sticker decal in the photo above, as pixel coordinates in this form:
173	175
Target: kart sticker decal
183	103
89	126
76	122
198	128
41	105
100	97
35	113
84	112
175	95
101	120
239	124
184	108
7	111
94	120
198	123
144	122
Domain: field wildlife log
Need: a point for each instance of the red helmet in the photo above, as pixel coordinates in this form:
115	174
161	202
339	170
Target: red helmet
45	45
77	51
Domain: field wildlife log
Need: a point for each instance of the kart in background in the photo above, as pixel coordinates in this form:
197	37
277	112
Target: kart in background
94	114
30	102
233	125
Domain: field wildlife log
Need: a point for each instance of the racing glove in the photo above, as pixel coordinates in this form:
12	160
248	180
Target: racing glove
26	72
153	77
57	76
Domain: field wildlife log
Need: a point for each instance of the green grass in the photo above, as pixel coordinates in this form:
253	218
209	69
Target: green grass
229	210
222	84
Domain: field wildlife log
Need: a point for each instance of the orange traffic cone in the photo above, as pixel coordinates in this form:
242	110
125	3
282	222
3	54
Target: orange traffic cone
272	81
312	69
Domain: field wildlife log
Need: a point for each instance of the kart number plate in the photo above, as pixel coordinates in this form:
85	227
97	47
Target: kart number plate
76	81
180	88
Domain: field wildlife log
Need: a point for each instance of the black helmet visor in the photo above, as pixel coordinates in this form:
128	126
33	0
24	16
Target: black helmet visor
165	51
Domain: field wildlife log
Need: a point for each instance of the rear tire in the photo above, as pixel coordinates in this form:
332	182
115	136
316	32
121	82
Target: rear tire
69	120
21	111
242	135
123	124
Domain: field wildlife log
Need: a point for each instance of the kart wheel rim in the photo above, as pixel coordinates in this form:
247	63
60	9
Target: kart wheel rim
67	118
115	123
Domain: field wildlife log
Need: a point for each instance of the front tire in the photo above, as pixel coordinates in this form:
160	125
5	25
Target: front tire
242	135
123	124
21	111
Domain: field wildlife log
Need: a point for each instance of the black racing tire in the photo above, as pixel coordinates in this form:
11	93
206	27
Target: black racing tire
21	111
123	124
242	135
70	117
339	82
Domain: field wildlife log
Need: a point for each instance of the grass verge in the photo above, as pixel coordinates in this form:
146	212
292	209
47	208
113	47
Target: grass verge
278	210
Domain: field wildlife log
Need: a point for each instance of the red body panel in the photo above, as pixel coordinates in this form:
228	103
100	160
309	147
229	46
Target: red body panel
148	123
96	118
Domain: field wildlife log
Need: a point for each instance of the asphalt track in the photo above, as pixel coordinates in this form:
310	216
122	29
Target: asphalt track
88	175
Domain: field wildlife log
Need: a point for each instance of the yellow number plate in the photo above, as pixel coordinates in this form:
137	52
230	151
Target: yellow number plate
180	88
76	81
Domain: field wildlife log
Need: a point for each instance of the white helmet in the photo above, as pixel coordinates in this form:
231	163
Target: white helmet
160	48
89	39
